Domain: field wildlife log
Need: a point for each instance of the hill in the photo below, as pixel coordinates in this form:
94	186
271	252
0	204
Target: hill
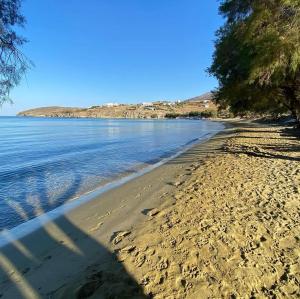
113	110
205	97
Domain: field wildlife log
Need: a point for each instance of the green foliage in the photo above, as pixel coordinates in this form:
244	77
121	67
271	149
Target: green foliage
95	107
172	115
209	114
257	56
13	63
201	114
194	114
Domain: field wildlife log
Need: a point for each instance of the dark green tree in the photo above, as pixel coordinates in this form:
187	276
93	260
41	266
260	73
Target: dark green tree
13	63
257	56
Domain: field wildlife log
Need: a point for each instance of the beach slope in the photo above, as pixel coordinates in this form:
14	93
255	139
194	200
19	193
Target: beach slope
221	220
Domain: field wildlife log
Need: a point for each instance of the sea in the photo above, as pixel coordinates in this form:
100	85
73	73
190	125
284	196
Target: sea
48	162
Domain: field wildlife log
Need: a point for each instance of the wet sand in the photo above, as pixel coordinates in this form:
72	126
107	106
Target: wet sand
220	221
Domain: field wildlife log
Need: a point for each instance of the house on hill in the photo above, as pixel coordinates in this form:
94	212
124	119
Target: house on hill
111	104
147	104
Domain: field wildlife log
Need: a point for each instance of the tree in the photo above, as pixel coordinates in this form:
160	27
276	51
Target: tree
13	63
257	55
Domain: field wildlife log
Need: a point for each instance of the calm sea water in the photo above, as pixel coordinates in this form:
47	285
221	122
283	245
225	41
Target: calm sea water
46	162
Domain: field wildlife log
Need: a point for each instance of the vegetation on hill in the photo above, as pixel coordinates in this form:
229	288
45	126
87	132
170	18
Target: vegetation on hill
257	56
209	113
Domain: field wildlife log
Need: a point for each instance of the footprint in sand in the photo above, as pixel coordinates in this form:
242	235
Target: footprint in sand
177	183
89	288
140	260
128	249
150	212
96	227
117	237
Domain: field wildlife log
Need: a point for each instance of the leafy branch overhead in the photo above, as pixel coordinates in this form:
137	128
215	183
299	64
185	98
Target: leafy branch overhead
257	56
13	63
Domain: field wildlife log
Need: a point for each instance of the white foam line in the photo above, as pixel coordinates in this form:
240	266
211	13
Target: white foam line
26	228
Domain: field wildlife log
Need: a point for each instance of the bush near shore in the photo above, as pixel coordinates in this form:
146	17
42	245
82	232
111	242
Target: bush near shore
199	114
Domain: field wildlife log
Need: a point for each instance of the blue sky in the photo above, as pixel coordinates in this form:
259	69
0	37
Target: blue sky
96	51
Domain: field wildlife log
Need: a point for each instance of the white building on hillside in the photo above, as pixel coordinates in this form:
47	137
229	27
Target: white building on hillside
111	104
147	104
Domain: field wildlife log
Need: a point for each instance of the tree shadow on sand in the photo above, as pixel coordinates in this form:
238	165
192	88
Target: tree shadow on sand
288	142
61	260
289	137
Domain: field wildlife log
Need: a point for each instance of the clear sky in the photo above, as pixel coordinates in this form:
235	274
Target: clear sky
127	51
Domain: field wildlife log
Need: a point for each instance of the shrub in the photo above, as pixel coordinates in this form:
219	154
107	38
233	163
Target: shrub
194	114
209	114
172	115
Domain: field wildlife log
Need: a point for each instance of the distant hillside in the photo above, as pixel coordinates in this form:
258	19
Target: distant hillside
45	111
114	110
205	97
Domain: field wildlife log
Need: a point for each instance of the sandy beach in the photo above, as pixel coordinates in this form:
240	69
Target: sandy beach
220	221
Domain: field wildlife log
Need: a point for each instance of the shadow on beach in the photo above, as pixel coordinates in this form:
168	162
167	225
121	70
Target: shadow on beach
216	145
60	260
290	143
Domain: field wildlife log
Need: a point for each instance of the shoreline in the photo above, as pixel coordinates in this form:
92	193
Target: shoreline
28	227
118	208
